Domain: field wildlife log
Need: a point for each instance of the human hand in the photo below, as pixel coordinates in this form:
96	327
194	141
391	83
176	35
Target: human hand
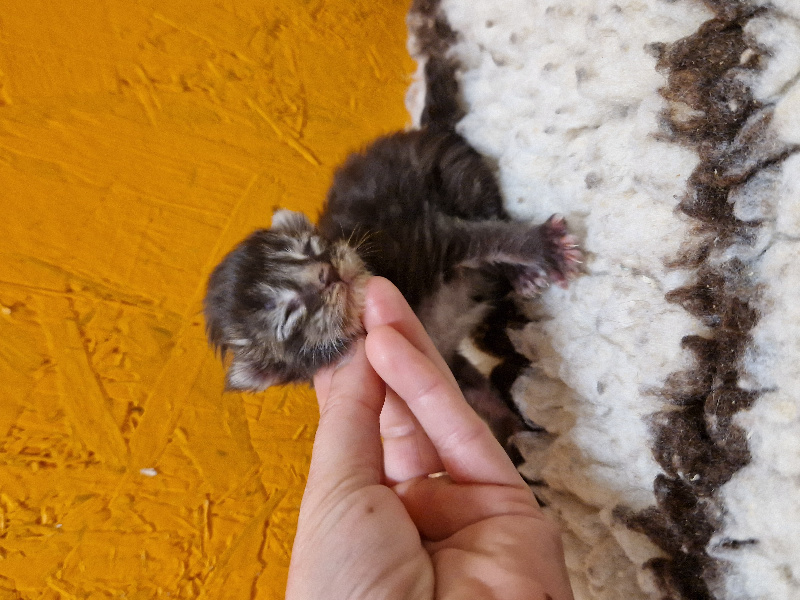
373	523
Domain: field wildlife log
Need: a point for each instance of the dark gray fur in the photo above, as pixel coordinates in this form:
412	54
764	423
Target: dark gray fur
420	208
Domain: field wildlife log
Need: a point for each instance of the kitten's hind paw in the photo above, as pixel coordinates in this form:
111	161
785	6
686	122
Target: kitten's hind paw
530	281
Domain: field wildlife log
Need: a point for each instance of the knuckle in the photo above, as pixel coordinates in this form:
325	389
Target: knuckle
464	436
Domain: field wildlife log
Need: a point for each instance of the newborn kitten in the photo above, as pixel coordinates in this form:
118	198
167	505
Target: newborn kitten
285	302
420	208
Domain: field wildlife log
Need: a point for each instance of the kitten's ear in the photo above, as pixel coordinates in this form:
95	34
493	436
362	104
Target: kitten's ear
244	375
290	221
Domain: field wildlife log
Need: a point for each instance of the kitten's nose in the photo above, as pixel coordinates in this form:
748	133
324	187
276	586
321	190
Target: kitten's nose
328	275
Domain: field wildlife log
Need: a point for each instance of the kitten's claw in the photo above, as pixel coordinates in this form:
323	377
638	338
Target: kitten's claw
574	256
531	281
563	255
557	262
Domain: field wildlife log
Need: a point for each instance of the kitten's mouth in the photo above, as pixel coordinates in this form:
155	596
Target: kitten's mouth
344	277
337	290
335	287
348	293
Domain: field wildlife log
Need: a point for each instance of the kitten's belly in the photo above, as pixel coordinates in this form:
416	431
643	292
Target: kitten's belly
451	313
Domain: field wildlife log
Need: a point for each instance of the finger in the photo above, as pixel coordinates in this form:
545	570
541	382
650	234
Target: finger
385	305
347	446
466	446
322	378
322	384
407	450
439	507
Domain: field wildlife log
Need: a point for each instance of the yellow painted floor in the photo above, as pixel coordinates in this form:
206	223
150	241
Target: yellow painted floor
139	141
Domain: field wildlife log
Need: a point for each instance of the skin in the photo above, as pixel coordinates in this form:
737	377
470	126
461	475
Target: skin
373	524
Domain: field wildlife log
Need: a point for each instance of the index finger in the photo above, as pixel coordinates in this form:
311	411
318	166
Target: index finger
407	451
385	305
466	446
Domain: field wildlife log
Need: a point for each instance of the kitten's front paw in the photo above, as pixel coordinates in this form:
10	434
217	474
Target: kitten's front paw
562	253
560	261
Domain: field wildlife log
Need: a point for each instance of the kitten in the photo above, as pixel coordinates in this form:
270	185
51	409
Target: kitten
420	208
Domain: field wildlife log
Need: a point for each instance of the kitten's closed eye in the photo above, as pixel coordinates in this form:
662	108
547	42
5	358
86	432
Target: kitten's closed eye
311	248
302	249
293	313
328	275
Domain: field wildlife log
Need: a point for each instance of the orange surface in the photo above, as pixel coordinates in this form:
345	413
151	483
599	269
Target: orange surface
138	142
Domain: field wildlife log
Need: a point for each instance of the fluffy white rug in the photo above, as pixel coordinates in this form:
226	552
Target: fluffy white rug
668	376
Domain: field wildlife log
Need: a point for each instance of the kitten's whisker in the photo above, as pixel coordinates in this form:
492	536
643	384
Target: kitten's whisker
362	246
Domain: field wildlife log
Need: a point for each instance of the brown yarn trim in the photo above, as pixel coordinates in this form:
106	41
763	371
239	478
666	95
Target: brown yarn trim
696	442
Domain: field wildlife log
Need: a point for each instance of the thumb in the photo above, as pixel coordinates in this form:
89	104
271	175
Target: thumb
347	446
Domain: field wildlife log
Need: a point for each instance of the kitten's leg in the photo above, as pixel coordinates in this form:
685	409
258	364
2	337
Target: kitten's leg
503	419
533	257
469	189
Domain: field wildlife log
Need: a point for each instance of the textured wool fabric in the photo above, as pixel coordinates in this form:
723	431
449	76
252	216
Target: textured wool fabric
665	377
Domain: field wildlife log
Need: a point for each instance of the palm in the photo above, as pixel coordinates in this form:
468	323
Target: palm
391	563
394	562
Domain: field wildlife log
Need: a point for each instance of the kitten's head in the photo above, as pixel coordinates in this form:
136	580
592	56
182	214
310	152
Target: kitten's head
284	303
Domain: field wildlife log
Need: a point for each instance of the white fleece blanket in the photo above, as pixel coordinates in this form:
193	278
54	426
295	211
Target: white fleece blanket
668	375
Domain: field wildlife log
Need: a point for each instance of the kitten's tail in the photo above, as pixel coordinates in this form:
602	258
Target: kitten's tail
442	104
433	36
